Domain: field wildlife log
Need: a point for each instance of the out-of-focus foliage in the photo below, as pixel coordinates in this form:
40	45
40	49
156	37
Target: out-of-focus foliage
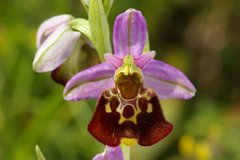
202	38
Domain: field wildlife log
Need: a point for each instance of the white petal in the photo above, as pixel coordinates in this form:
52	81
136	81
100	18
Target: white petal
48	26
56	49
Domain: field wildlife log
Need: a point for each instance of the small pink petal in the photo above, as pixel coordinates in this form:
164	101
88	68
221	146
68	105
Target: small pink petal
113	59
142	60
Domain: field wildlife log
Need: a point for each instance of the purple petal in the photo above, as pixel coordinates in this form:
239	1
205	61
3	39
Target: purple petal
113	59
48	26
142	60
129	33
110	153
90	83
56	49
167	81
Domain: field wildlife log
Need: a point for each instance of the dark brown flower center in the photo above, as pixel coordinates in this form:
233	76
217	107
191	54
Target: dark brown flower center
128	111
114	103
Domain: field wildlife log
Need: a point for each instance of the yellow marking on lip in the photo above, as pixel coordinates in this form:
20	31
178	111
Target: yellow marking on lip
129	141
108	108
145	95
131	119
149	108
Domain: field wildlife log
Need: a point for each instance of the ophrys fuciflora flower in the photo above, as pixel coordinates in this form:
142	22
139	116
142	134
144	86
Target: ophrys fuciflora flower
128	87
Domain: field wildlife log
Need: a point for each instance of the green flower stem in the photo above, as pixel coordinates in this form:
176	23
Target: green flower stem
82	25
99	28
126	152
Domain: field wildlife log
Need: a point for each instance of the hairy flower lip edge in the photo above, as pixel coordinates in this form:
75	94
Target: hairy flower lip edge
47	58
50	25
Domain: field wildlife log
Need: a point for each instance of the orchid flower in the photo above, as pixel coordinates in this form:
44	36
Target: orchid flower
110	153
55	42
128	86
59	46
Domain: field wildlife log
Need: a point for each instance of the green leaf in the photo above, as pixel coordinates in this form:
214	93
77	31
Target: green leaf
81	25
40	156
99	28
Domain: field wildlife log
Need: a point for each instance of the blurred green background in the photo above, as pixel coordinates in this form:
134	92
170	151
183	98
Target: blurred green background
200	37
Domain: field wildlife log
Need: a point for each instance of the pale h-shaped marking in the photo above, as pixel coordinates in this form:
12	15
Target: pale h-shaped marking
128	102
133	118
